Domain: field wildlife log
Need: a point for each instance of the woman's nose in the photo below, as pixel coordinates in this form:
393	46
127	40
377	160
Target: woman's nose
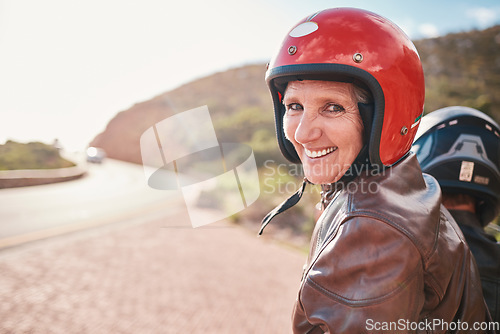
308	129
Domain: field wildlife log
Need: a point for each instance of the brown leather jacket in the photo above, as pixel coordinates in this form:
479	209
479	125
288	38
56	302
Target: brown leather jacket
386	258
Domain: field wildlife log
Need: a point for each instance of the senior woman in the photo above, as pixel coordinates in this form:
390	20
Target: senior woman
348	93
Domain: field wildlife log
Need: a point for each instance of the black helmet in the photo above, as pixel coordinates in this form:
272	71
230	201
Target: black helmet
460	147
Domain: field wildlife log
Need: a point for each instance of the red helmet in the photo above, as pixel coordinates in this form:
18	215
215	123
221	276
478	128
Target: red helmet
357	46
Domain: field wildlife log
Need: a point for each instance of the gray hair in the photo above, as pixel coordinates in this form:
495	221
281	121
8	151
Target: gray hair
362	95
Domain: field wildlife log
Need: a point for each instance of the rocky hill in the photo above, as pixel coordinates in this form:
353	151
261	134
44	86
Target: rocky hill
238	101
460	69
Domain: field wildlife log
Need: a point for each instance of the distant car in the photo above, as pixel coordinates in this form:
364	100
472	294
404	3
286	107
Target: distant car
95	155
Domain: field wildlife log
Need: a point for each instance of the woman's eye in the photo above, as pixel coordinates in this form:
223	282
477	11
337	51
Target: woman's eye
294	107
334	108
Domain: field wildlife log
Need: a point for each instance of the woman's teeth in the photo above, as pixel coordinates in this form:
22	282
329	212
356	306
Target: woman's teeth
317	154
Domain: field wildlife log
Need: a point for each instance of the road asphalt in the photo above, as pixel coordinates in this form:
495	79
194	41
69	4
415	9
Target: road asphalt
150	275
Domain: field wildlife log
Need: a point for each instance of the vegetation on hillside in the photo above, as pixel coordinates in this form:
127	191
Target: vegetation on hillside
34	155
463	69
460	69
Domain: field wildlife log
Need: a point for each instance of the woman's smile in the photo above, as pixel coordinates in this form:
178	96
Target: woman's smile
319	153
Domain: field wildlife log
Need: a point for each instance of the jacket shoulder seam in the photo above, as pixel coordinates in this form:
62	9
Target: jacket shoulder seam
365	301
426	254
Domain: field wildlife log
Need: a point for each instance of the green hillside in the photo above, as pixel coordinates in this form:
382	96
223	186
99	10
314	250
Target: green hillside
460	69
32	155
463	69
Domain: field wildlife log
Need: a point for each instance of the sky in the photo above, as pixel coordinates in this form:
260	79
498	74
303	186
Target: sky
67	67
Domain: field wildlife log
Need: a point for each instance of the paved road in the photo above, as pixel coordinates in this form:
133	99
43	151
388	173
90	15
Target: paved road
149	272
108	193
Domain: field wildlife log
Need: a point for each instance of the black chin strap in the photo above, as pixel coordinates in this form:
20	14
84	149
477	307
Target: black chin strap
291	201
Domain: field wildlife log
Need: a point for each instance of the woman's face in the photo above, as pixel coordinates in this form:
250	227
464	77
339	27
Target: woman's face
323	123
